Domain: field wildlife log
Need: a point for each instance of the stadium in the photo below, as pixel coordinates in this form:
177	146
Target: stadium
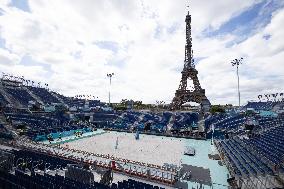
51	140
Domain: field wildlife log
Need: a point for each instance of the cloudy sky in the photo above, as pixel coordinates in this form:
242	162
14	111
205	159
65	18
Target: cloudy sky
73	44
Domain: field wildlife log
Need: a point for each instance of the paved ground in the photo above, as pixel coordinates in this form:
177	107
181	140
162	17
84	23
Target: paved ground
197	174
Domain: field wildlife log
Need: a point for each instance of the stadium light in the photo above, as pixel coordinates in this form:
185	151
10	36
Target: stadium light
259	97
109	75
237	62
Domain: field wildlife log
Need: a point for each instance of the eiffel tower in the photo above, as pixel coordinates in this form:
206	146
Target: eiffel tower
183	94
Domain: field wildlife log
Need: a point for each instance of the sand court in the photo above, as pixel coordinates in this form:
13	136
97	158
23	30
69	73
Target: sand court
148	149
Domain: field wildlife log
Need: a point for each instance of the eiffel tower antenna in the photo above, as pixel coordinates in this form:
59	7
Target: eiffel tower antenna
183	94
187	7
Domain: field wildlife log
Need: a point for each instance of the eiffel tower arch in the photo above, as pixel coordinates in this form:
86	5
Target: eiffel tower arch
183	94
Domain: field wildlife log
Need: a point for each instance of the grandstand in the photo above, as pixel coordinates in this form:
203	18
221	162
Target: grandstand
49	140
248	144
44	95
261	105
255	160
42	143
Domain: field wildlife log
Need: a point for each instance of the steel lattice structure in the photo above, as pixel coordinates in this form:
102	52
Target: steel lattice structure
183	94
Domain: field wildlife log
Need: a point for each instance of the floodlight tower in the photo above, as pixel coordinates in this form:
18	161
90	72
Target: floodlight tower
109	75
237	62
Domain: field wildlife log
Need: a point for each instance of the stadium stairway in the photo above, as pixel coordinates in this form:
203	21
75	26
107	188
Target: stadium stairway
9	98
58	98
279	179
33	95
7	125
171	122
201	125
4	94
140	118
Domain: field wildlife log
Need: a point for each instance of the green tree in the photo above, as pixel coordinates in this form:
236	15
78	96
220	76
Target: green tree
217	108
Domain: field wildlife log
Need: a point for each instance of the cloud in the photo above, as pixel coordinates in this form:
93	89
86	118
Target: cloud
7	58
262	71
73	45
